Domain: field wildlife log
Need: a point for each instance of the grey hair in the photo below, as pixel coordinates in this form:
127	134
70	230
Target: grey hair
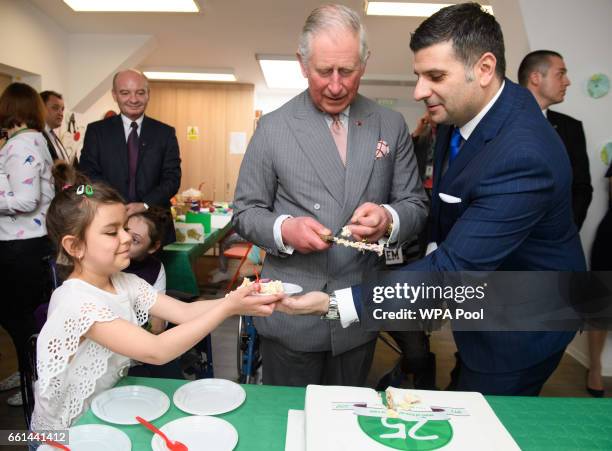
332	17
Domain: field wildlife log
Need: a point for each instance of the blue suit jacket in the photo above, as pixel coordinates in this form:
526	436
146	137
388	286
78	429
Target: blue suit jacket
514	180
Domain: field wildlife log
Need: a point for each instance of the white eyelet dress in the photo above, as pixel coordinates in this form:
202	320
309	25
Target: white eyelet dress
73	369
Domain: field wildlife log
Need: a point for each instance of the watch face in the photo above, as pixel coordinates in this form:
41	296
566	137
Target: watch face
598	85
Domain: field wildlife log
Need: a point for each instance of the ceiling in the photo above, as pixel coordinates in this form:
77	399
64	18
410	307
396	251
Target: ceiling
228	34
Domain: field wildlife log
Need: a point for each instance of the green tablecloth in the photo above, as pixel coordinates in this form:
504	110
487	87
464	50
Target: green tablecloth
179	260
535	423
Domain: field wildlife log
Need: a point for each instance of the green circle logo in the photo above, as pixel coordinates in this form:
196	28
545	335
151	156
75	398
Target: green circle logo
395	433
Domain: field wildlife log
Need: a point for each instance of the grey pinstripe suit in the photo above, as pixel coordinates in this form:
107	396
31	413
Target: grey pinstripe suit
292	167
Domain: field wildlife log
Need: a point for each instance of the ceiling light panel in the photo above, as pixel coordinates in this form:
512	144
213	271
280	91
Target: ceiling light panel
373	8
282	72
166	6
189	76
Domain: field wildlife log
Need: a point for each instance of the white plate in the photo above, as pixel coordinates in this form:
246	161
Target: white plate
198	434
289	289
209	396
121	405
95	437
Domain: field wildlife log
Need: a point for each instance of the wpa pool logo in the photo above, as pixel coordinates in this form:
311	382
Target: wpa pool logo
396	433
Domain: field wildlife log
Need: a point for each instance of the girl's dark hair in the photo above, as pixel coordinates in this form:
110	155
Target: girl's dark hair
157	220
21	104
72	211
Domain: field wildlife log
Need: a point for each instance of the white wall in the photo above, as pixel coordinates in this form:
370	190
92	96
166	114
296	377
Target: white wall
37	51
32	42
581	32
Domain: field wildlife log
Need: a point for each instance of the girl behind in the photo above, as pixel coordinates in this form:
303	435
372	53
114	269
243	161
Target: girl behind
147	230
92	330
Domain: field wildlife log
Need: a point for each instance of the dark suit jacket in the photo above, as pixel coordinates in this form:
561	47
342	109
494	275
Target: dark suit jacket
514	181
105	158
50	147
572	134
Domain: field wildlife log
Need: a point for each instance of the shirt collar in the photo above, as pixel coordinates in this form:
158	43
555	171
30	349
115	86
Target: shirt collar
127	122
343	115
469	128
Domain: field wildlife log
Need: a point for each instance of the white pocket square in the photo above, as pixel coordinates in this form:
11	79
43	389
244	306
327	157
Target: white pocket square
449	199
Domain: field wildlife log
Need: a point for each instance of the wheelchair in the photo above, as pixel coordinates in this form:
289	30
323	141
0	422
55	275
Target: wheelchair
248	355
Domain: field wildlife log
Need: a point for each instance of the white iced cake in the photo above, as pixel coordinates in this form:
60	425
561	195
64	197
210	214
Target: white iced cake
356	419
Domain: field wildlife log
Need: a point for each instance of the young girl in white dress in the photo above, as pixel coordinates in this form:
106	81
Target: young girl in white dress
93	326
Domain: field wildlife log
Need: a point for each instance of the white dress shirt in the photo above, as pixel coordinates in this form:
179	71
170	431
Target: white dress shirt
127	125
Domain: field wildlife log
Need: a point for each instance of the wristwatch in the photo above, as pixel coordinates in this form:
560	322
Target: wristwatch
332	311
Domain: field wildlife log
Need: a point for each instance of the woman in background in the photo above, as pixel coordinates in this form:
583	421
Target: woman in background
601	260
25	194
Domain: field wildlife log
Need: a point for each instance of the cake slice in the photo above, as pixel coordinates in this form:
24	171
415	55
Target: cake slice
267	286
400	398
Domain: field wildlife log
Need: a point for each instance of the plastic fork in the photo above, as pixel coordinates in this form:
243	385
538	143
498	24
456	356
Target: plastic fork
171	445
56	445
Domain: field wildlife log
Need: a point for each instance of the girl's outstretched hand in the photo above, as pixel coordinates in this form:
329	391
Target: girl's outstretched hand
247	301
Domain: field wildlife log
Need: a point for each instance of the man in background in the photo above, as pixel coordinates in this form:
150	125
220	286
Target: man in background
327	158
544	73
54	115
133	153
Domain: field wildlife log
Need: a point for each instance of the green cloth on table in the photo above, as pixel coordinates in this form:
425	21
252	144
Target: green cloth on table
538	423
534	423
261	421
179	260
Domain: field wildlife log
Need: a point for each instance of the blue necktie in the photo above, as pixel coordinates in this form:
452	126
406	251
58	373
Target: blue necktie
455	145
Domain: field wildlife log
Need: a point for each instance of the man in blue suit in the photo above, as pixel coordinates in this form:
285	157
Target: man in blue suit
501	196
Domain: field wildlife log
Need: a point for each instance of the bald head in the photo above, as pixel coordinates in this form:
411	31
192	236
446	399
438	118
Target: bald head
131	92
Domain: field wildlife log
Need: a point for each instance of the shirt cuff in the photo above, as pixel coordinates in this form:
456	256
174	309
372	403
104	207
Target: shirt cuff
396	224
278	236
346	307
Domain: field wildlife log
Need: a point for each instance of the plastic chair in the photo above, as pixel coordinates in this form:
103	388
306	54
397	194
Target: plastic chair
237	251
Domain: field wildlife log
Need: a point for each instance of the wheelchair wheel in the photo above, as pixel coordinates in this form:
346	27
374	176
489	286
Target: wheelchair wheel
241	346
248	357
